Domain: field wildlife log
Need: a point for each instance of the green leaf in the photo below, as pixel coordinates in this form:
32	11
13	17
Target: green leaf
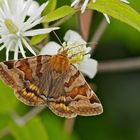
37	39
33	130
4	120
50	7
7	137
58	14
8	101
55	127
118	10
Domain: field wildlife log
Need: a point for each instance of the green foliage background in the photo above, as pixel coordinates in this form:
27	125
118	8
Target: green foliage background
119	93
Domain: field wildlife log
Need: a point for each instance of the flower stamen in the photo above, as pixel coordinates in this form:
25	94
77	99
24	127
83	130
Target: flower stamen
75	52
77	57
12	28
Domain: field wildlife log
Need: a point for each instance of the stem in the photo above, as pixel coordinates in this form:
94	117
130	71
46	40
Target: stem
98	34
21	121
68	125
4	132
120	65
85	23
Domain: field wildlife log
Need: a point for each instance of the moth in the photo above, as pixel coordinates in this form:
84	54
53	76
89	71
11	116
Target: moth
53	81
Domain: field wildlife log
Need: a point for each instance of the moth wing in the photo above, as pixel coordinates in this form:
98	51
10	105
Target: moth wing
82	100
78	98
25	76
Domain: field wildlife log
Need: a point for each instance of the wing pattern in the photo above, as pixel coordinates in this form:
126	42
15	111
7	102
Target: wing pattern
25	76
78	97
52	81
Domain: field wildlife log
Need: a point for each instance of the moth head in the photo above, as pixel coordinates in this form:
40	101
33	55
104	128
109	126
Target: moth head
75	50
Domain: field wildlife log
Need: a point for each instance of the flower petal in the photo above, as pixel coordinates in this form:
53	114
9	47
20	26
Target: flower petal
75	2
83	8
21	48
73	37
107	18
39	31
88	67
6	8
8	49
2	14
33	7
125	1
35	16
16	52
26	9
28	46
29	26
51	48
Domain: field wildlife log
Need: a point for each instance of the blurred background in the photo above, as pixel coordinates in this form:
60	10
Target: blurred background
118	89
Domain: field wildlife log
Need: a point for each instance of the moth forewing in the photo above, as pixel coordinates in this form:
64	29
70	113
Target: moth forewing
20	75
83	100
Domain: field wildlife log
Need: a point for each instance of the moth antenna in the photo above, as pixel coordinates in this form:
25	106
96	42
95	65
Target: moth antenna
58	39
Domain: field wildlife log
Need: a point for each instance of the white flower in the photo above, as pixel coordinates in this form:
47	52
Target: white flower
33	7
85	3
78	53
83	8
125	1
16	22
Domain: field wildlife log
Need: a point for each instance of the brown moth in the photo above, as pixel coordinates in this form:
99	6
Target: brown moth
52	81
